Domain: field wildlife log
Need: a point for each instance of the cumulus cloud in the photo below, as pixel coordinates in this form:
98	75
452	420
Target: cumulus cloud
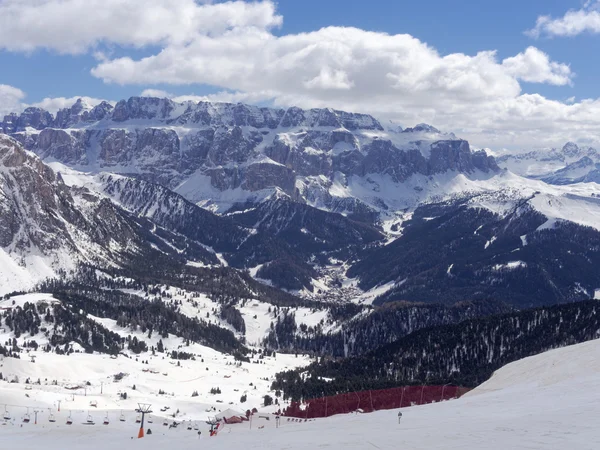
535	66
11	99
574	22
392	76
75	26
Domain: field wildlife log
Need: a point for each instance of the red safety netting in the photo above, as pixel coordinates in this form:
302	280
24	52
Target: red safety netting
368	401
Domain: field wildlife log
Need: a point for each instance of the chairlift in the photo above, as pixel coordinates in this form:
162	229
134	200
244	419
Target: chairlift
106	421
6	415
196	427
26	418
122	417
89	420
189	427
69	419
51	418
165	423
138	419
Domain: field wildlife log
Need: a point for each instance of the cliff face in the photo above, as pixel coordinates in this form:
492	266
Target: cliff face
236	147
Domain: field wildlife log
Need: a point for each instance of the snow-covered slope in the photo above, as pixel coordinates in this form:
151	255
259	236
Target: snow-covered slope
543	402
48	228
567	165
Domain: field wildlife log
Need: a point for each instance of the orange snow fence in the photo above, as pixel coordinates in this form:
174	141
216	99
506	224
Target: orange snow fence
368	401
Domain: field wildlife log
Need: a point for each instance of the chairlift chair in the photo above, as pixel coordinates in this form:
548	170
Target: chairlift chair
106	421
26	418
6	415
51	418
138	419
122	417
69	420
89	420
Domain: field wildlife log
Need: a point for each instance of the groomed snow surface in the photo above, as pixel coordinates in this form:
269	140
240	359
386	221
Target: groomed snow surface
548	401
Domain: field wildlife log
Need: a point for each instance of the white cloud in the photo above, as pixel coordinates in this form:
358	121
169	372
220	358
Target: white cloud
574	22
75	26
156	93
10	99
53	104
392	76
535	66
222	96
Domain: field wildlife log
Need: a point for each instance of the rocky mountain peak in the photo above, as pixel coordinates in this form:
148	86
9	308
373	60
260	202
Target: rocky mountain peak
571	149
209	150
422	128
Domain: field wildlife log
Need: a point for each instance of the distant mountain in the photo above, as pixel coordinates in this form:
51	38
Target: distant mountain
584	170
220	154
567	165
322	203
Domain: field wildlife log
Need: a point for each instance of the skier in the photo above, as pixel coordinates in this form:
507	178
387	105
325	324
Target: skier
399	417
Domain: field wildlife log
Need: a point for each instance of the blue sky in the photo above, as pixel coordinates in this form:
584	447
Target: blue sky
106	63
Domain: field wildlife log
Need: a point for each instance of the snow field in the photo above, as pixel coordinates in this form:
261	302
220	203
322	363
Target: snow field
81	378
547	401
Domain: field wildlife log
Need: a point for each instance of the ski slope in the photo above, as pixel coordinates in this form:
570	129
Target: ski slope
547	401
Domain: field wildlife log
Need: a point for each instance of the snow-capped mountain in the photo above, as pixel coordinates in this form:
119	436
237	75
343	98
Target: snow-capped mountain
567	165
219	154
48	229
321	202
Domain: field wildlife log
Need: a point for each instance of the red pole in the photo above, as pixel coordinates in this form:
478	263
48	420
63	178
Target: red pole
422	389
141	432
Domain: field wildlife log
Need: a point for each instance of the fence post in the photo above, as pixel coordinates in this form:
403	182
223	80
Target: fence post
402	397
371	397
422	390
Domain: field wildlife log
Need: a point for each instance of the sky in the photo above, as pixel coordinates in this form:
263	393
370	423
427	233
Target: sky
508	74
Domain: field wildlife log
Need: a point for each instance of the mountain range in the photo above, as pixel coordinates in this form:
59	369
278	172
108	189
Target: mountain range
319	208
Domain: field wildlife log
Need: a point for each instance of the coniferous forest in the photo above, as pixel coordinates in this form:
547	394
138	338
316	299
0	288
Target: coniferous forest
465	354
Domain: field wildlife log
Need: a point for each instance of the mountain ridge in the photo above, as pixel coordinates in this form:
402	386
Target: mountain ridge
219	154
